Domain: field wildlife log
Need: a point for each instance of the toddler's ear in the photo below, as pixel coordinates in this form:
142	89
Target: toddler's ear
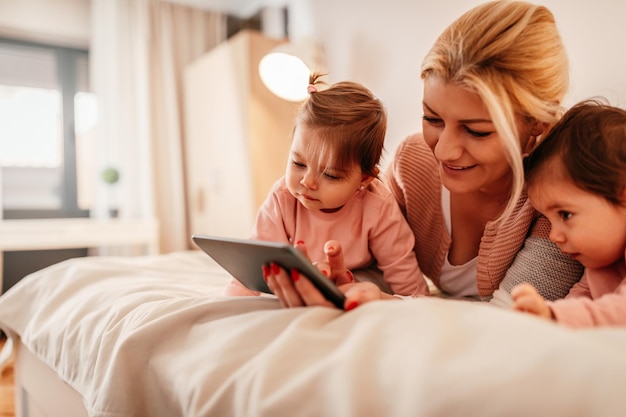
366	180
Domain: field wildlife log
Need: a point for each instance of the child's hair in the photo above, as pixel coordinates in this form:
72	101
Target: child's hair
351	122
510	53
590	144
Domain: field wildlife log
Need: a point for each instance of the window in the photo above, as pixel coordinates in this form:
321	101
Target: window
46	118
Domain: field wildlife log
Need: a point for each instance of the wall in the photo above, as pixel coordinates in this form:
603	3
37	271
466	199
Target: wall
58	22
382	43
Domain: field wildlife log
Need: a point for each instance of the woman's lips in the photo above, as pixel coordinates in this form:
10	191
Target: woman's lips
455	169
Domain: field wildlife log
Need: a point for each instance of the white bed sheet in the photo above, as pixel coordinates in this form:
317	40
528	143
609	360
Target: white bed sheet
151	336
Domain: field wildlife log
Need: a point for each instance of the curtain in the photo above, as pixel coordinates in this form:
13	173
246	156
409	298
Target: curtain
139	50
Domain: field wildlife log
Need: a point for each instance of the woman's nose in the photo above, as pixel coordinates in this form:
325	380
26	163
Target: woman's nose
448	146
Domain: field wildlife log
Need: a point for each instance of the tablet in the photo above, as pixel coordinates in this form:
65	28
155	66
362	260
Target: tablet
243	259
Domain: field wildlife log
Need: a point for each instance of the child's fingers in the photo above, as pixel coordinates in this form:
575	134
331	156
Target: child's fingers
522	289
323	266
334	256
527	299
525	303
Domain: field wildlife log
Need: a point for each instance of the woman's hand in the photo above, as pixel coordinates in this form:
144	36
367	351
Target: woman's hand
295	290
528	300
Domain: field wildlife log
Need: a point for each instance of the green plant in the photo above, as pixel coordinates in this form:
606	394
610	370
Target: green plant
110	175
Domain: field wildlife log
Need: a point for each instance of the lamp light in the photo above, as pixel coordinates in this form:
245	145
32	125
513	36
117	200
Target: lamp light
285	69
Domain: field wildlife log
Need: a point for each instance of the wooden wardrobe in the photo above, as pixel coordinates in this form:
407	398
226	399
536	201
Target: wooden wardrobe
238	136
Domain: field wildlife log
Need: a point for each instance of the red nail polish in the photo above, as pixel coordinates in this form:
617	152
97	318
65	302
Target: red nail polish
266	272
324	272
275	268
300	242
295	275
330	249
351	305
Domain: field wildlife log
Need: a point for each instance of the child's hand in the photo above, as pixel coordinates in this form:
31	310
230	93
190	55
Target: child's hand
296	292
527	299
334	257
333	266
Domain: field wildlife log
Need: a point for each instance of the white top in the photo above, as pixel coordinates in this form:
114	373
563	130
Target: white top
456	280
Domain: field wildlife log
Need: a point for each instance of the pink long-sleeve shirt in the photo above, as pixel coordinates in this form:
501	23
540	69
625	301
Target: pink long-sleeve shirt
598	299
370	228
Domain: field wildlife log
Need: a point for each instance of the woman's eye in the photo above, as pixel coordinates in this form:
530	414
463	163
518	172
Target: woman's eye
565	215
432	120
477	134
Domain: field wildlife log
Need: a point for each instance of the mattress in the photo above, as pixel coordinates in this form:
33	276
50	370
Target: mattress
153	336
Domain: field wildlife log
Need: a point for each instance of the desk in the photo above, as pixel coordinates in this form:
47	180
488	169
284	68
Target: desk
42	234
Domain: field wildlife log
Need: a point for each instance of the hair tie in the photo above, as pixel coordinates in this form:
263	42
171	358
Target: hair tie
311	89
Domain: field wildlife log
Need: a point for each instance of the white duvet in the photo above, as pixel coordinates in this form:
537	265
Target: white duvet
150	336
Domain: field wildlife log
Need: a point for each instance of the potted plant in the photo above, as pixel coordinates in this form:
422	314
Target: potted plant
111	176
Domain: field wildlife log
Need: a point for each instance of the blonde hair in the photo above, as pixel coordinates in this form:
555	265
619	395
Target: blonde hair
350	121
510	53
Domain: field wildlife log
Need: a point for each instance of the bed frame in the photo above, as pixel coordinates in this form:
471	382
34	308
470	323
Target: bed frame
39	392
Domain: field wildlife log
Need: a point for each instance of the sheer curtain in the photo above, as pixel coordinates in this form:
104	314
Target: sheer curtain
138	54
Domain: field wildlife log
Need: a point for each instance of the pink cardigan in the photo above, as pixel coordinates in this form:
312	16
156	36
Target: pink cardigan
599	299
511	251
370	228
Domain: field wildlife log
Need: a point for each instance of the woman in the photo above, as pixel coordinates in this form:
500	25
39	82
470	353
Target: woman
493	84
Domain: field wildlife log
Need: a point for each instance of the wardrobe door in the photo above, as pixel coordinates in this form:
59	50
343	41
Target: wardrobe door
237	136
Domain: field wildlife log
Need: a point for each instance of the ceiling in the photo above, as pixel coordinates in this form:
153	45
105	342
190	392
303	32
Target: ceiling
240	8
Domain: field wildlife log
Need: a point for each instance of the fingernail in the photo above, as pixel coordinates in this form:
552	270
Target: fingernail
324	272
275	268
266	272
352	305
330	249
300	242
295	275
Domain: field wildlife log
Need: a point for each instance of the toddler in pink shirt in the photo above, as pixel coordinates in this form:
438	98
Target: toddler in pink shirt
576	177
331	190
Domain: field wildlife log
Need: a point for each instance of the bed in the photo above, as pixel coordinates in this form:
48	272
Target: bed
152	336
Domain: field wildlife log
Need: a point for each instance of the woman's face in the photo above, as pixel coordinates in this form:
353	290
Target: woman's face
459	130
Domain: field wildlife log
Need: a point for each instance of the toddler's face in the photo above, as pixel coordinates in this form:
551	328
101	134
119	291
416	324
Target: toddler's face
584	225
316	183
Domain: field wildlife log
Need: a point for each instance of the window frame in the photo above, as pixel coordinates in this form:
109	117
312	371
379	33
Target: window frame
67	65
